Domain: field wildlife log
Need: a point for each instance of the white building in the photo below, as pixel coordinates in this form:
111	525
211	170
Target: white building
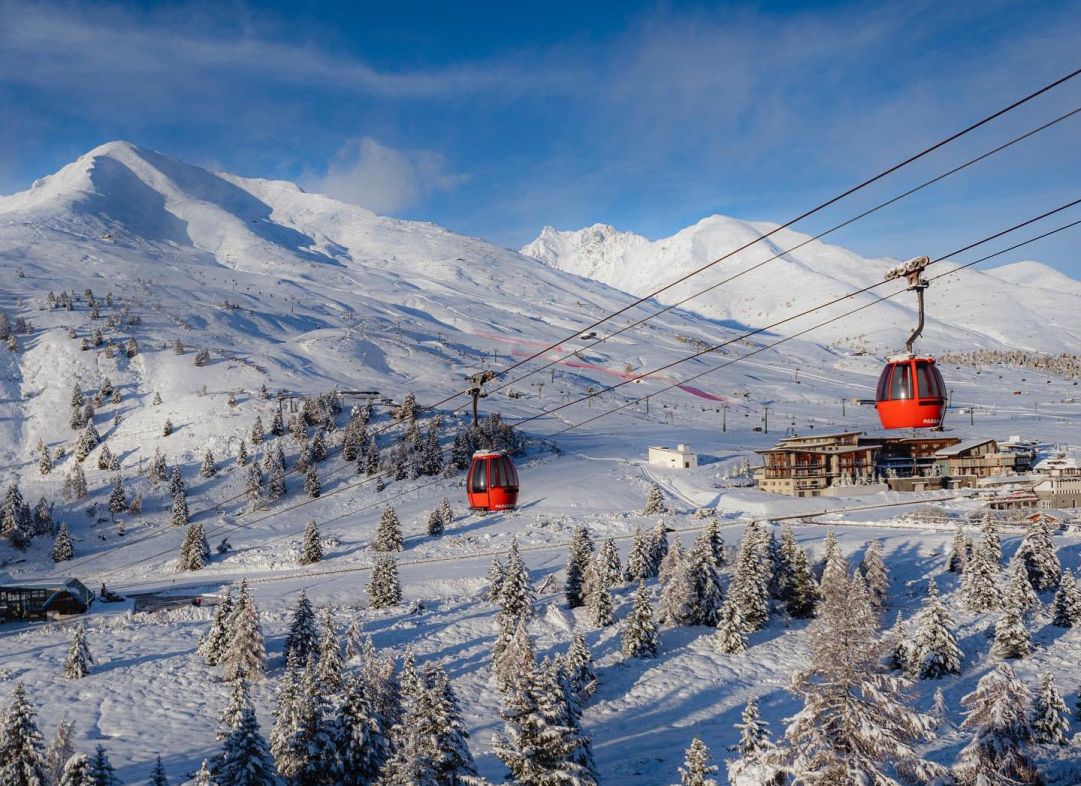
679	457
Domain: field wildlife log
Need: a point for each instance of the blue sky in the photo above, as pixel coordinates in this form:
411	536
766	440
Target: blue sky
495	119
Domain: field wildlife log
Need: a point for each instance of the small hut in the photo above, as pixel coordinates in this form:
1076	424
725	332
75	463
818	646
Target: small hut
40	599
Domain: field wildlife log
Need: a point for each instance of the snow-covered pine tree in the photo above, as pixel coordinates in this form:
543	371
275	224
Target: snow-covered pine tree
167	428
371	457
579	666
194	550
1019	589
100	771
309	755
979	588
749	589
245	652
578	564
79	658
63	549
286	708
679	597
242	457
1050	715
900	650
515	591
22	761
353	636
730	638
1037	551
708	590
671	562
60	750
118	499
496	571
609	569
936	650
802	587
361	746
239	700
45	461
329	671
566	711
245	759
302	640
831	548
452	759
658	546
312	549
311	484
1012	638
179	513
209	468
319	447
601	607
654	502
955	561
157	775
537	751
388	536
75	771
214	642
434	527
446	513
639	562
639	637
854	726
203	776
875	573
1066	607
697	766
989	541
757	764
253	486
277	423
383	589
998	718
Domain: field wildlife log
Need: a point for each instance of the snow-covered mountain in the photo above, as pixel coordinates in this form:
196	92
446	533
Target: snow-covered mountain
1040	310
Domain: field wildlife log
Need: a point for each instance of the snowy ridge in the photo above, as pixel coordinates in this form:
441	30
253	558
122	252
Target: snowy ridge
970	308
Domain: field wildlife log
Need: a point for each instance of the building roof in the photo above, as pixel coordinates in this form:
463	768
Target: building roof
819	451
962	447
820	436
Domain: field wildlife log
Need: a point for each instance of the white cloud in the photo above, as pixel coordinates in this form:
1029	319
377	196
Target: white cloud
381	178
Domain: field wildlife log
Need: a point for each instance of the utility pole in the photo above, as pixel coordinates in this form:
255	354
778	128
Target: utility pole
971	411
765	418
724	418
842	408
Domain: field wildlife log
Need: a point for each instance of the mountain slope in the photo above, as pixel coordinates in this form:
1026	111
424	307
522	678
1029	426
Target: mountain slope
971	308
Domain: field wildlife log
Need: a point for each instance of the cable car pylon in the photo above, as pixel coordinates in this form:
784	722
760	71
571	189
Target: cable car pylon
911	392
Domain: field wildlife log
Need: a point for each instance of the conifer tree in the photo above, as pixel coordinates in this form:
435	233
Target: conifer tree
75	771
371	457
670	564
239	700
309	755
708	591
242	454
100	771
998	719
608	567
319	447
654	501
60	750
209	469
875	573
958	555
1050	715
157	399
514	653
245	759
388	536
277	423
757	762
179	514
1011	634
515	591
990	542
749	589
578	565
312	550
730	638
448	734
167	428
302	640
253	486
212	645
157	775
1019	589
658	547
383	589
679	597
194	550
203	776
63	549
601	607
639	561
329	671
45	462
311	484
802	587
697	766
537	750
854	726
118	499
434	527
640	638
716	541
79	659
978	586
496	572
936	650
1066	607
22	762
900	650
445	513
579	666
245	652
1037	551
105	457
361	746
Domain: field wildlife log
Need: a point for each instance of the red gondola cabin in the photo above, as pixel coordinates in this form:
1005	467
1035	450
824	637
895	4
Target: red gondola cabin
492	483
911	393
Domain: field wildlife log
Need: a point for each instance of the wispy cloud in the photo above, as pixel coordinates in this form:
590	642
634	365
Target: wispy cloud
381	178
